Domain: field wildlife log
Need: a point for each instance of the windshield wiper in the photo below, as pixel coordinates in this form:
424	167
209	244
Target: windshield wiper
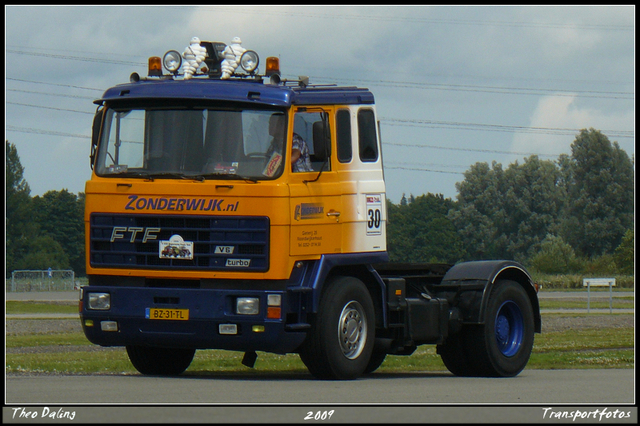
228	176
175	175
169	175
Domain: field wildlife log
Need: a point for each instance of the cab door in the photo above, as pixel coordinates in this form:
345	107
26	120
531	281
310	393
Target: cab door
315	205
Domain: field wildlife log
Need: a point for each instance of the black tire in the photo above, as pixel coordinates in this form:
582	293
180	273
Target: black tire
340	341
160	361
454	356
500	347
504	343
376	360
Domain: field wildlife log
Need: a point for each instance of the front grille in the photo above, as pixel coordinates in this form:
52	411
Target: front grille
219	243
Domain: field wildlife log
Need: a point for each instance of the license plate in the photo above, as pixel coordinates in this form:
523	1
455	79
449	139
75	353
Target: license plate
167	314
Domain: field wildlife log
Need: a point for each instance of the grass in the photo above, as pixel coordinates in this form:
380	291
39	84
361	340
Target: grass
14	307
72	353
617	303
58	339
602	302
590	348
550	352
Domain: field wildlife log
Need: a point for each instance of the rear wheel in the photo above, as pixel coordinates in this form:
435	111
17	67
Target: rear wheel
160	361
500	347
505	341
341	338
454	355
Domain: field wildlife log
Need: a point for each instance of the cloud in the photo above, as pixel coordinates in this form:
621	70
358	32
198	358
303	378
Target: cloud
556	112
421	62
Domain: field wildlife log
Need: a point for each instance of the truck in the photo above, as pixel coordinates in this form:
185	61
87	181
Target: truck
201	233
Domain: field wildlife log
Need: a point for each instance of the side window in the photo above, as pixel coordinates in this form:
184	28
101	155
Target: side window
343	131
367	142
313	130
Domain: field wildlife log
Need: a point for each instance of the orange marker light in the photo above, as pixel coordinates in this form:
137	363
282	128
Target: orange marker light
273	66
273	312
155	65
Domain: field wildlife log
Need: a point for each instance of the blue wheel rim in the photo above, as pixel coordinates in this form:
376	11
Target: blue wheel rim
509	328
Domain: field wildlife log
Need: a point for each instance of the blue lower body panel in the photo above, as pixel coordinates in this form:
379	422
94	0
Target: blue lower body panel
130	322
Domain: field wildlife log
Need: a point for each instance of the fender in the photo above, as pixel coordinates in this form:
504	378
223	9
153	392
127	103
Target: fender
330	263
482	275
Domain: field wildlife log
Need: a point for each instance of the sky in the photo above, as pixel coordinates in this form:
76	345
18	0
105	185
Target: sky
453	85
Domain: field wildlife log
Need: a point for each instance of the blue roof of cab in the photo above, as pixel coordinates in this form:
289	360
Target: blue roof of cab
244	91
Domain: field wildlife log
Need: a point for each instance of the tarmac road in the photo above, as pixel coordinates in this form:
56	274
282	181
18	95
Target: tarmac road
397	397
531	386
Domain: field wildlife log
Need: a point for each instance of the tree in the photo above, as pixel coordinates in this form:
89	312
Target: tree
600	194
43	253
419	231
555	257
61	216
507	213
18	224
532	200
624	255
477	214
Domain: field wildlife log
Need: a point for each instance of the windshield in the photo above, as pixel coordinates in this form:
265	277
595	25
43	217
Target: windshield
202	143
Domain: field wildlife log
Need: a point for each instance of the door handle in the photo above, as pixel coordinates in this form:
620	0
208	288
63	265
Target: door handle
333	213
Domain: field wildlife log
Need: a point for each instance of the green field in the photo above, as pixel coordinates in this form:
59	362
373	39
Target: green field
70	353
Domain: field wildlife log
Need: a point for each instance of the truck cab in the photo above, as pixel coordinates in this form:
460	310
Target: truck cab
205	231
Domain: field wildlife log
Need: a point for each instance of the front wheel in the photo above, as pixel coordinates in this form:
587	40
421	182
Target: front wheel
341	338
160	361
376	360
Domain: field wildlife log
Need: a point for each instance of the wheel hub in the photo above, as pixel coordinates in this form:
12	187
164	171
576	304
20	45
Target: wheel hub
352	330
509	329
502	329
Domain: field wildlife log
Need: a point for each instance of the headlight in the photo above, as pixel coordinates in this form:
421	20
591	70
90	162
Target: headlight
172	61
247	306
249	61
99	301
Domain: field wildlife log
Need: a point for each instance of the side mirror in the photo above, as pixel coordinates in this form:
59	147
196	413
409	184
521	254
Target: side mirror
321	140
95	134
321	144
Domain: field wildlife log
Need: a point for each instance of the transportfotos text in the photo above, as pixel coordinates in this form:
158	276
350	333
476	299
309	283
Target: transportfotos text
548	413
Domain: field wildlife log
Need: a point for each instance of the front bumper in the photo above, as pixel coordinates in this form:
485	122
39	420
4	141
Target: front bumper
127	321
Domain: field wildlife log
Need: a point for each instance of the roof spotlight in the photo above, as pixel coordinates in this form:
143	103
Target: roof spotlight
172	61
249	61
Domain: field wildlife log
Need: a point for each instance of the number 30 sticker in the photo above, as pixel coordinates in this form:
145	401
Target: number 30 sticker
374	214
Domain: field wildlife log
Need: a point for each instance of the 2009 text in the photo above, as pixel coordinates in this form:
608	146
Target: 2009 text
319	415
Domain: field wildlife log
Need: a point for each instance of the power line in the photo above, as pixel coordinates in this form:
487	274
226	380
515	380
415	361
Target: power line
53	108
419	123
449	148
73	135
76	58
499	127
404	122
10	128
52	84
427	20
421	170
385	83
489	89
50	94
388	121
